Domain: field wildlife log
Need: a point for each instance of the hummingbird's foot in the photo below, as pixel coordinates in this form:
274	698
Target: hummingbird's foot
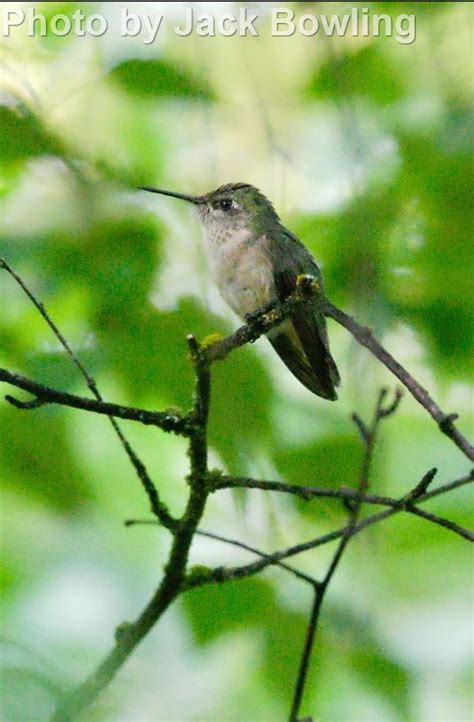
307	285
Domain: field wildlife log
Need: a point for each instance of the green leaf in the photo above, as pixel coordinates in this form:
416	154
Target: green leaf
283	638
414	8
149	351
22	136
158	79
382	675
368	73
241	409
347	643
355	247
439	292
251	604
56	369
446	329
216	609
123	257
52	40
332	462
37	462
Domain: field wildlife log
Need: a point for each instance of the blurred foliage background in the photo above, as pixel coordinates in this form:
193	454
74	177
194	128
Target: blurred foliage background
365	146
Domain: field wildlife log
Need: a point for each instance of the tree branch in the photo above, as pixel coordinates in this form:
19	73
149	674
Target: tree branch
236	543
171	585
262	321
366	338
307	493
440	521
241	545
348	495
202	483
223	574
165	420
369	437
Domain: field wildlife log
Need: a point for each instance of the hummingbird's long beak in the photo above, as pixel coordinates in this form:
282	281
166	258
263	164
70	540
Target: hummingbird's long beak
197	200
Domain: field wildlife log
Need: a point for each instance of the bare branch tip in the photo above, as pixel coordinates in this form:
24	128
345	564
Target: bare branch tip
141	522
363	430
422	487
391	408
33	404
194	347
426	481
446	424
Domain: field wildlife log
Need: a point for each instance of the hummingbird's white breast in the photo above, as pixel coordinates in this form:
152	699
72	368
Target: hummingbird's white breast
241	268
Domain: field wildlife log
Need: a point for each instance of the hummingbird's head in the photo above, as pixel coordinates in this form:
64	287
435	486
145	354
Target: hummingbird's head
230	208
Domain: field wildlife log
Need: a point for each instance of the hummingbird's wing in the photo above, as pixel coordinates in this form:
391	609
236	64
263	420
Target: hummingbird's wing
301	341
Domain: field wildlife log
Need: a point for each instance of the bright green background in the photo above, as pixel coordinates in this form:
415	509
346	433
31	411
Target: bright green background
365	147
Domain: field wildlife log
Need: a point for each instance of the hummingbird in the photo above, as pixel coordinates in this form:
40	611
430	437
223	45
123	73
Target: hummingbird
255	262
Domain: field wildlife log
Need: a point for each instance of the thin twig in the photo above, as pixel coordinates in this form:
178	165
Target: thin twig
236	543
366	338
304	492
418	493
441	521
241	545
166	420
348	495
381	412
422	487
157	506
222	574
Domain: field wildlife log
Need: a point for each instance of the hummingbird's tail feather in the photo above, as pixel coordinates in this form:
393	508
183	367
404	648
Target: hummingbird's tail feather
312	364
312	334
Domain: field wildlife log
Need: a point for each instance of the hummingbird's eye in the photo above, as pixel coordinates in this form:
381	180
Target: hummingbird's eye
226	204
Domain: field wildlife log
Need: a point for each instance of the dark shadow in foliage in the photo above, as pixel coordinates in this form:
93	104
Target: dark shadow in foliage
331	461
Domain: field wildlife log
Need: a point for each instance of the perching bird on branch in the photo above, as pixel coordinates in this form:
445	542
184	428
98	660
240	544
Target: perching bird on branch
255	262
